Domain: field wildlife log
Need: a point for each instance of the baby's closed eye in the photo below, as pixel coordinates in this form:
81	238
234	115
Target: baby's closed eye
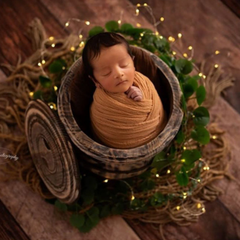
106	74
124	65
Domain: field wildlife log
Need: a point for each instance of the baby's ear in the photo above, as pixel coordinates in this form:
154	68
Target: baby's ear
97	84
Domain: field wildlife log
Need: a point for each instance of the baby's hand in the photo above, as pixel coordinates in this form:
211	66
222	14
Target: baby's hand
134	93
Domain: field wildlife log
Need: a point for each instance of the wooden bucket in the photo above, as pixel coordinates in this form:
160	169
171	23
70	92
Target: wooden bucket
74	100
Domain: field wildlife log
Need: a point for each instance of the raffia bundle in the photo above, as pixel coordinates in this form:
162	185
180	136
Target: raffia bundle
121	122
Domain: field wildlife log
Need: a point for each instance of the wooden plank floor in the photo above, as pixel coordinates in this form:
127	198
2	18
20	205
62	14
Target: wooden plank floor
207	26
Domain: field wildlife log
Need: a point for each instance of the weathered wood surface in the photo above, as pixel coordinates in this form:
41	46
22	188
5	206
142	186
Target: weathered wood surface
15	17
234	5
52	152
9	228
215	224
40	221
207	26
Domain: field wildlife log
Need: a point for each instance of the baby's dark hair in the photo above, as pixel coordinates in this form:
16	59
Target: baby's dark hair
93	47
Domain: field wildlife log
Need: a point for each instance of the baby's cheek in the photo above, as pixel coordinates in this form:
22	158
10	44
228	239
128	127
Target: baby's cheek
130	75
110	83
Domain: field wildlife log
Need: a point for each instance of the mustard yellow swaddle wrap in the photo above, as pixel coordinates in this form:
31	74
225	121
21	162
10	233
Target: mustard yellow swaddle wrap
121	122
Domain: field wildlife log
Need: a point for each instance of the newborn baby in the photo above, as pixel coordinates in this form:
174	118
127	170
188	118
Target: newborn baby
126	111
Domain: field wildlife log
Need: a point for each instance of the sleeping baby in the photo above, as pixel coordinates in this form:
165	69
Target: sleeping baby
126	111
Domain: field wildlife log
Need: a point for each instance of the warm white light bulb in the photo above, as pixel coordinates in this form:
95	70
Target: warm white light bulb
179	35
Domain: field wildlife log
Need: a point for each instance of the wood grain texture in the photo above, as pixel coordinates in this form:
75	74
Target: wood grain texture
40	221
229	120
207	26
9	228
52	152
98	13
234	5
15	17
215	224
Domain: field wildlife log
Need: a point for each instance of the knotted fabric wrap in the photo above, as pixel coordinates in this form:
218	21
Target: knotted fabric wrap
120	122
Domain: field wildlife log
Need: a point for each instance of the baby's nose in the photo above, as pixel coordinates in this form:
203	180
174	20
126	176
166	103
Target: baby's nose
118	73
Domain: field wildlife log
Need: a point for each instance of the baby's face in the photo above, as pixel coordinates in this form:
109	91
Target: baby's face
114	69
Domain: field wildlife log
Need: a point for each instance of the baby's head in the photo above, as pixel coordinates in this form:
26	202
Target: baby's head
108	60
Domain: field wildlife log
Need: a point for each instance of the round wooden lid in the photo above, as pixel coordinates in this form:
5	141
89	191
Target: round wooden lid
52	151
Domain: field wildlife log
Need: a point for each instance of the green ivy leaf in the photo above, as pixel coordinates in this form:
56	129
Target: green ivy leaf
62	61
37	95
74	207
201	116
183	66
182	177
60	206
188	90
125	27
149	47
87	195
157	199
147	184
190	156
167	59
105	211
112	26
91	219
161	44
77	220
193	82
160	161
56	66
137	204
184	103
45	81
148	39
145	175
117	209
135	32
201	135
180	137
200	94
95	30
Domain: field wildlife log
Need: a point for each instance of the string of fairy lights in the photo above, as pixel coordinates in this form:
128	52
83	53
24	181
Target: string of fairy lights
176	52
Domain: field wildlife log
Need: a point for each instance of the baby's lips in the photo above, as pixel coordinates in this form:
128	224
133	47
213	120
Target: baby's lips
121	82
